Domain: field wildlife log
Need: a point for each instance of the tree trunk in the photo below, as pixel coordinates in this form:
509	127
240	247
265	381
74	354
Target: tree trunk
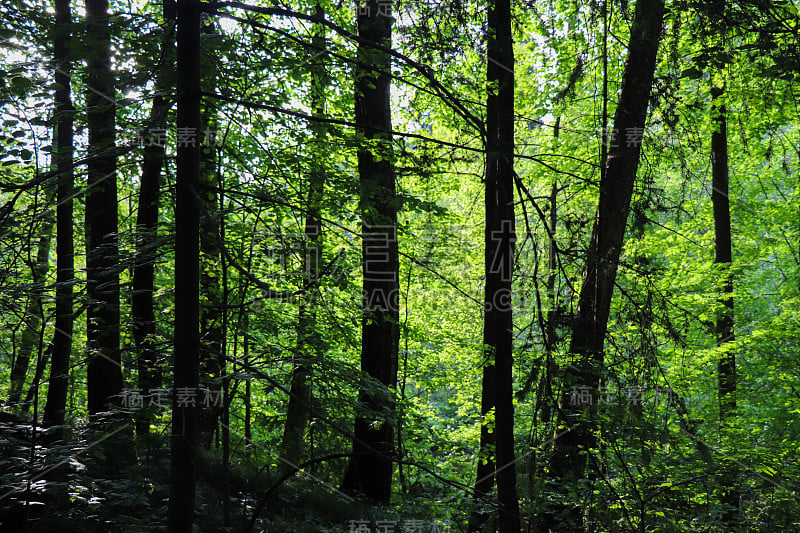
34	314
42	360
56	405
722	257
104	373
554	312
370	468
568	463
248	405
308	340
497	438
726	366
183	456
143	283
211	331
226	401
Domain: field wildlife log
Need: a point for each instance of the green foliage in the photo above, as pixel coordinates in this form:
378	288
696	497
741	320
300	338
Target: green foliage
662	457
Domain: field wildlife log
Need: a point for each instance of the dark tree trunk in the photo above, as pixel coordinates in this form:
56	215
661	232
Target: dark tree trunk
546	386
497	439
225	416
568	464
42	360
308	340
183	453
56	406
370	468
552	263
211	330
34	313
722	257
248	405
726	366
142	303
104	373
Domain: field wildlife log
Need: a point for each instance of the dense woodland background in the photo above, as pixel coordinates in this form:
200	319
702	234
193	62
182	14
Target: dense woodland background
400	266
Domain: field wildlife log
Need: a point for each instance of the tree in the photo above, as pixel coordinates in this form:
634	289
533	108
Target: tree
104	373
497	436
308	339
143	282
63	153
726	365
576	434
212	334
183	452
33	312
369	470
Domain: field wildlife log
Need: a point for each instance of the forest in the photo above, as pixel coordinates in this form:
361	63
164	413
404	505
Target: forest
400	266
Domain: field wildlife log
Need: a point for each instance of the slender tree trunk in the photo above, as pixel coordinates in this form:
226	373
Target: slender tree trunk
552	264
248	409
42	360
183	453
554	311
34	313
726	366
370	468
142	303
497	438
722	257
568	462
104	373
308	340
226	411
56	405
211	331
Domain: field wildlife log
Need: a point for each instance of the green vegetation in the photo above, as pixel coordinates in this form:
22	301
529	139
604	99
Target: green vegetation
337	266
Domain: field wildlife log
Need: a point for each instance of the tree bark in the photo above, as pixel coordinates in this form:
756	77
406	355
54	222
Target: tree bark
308	340
497	438
143	282
104	373
576	436
723	257
370	468
183	456
212	360
726	365
56	405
